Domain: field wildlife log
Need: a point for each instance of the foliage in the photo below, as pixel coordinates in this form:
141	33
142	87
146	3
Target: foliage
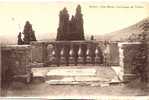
70	29
20	41
29	34
141	56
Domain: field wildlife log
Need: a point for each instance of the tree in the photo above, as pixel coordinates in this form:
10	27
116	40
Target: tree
142	67
29	34
20	41
79	23
63	28
92	37
70	29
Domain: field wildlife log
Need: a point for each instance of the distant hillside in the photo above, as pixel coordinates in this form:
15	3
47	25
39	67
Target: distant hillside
7	40
124	34
13	40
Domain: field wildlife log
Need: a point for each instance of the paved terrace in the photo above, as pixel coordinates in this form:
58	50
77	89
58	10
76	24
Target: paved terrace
107	84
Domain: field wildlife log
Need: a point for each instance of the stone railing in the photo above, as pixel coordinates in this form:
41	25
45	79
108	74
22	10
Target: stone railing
67	52
75	52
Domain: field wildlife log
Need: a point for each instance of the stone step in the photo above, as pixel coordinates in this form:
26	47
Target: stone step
93	81
38	72
79	81
118	71
72	72
77	78
89	75
37	65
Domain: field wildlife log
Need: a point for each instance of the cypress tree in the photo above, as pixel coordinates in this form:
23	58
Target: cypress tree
70	29
20	41
29	34
63	29
79	23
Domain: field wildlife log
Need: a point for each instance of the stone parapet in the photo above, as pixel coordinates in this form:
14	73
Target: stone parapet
127	58
16	61
65	52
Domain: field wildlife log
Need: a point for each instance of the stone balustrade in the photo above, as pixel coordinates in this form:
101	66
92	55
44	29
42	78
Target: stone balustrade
67	52
74	52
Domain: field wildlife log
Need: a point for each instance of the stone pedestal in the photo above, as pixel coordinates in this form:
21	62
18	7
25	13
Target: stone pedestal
114	54
127	54
39	51
16	60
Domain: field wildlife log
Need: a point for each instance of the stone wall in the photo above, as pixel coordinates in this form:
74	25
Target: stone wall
16	61
127	55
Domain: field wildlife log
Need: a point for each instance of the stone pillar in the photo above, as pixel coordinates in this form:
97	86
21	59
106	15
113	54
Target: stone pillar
45	53
127	60
50	57
114	54
39	52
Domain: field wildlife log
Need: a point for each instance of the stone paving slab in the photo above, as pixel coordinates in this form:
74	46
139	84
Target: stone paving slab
118	71
40	72
91	79
72	72
77	75
74	80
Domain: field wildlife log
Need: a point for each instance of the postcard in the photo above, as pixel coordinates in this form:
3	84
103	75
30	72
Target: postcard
74	50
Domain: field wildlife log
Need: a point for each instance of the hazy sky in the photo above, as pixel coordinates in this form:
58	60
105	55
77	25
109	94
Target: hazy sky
99	18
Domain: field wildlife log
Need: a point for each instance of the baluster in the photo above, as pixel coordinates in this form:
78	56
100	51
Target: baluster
71	53
62	55
57	53
76	49
53	56
67	49
97	58
98	55
50	49
80	54
53	53
84	49
88	53
93	47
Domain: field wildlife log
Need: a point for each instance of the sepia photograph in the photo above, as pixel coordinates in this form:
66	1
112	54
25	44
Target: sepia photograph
74	50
